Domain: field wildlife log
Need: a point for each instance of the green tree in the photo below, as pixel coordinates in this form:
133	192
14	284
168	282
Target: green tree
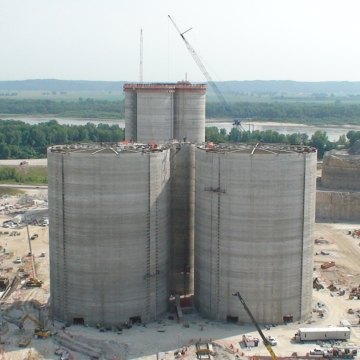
321	141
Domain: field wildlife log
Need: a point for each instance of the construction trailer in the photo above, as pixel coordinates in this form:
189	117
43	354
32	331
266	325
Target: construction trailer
324	333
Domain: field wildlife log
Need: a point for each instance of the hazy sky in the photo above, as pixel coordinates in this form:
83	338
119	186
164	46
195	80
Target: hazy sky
304	40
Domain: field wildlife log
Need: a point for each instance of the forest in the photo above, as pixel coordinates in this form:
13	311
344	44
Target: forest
318	140
19	140
316	113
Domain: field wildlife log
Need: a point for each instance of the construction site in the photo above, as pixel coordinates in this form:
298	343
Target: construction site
177	249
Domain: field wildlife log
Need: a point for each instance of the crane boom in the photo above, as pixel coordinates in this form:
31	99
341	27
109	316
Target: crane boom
201	65
264	339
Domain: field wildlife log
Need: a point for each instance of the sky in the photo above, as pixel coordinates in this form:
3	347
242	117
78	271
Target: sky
301	40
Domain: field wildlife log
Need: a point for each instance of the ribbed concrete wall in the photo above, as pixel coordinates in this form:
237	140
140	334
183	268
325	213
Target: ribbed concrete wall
337	205
130	115
109	234
341	171
160	112
155	112
182	210
254	220
189	119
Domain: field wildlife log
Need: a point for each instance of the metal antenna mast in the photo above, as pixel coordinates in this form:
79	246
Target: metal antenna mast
141	56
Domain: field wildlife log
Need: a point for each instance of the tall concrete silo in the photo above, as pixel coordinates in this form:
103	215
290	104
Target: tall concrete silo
341	170
130	113
254	219
155	112
182	213
109	233
159	112
189	112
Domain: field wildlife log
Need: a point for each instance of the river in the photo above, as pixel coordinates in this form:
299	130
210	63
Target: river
333	131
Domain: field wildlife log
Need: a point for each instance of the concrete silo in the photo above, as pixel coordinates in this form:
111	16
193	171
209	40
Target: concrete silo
159	112
130	113
254	219
341	170
109	232
189	112
182	213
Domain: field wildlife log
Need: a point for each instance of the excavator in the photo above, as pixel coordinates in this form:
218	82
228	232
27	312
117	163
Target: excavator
40	331
264	339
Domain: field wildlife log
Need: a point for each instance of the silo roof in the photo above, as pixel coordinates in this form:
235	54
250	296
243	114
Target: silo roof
109	148
258	148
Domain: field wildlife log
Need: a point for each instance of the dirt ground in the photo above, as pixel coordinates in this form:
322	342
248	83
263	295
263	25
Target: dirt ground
159	340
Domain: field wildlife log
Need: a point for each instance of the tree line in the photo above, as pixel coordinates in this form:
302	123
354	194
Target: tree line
319	139
303	112
86	108
19	140
312	113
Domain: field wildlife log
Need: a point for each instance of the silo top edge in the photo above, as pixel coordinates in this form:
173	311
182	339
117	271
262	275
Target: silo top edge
165	87
109	148
259	148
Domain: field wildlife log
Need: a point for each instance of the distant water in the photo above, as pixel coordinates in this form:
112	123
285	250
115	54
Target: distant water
65	121
333	132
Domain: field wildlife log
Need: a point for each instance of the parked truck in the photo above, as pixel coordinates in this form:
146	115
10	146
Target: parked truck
324	333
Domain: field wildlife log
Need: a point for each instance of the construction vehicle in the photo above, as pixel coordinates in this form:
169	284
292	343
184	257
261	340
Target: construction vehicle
355	293
40	331
322	333
25	341
264	339
33	282
327	265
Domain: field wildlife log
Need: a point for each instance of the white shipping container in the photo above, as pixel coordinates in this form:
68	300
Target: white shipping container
325	333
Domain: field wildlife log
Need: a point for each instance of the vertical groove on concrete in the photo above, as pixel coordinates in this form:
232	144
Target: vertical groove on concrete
257	214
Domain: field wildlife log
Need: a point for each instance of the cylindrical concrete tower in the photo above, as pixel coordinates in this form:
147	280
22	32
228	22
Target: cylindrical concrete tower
155	115
189	117
341	170
160	112
254	219
109	233
130	114
182	211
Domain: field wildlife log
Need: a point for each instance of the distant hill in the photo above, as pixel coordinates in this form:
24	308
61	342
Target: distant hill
291	87
277	87
61	85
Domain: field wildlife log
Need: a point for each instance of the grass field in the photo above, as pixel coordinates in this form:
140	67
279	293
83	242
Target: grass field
67	96
28	175
211	97
10	191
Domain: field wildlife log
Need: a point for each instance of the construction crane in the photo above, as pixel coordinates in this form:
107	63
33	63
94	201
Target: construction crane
264	339
202	67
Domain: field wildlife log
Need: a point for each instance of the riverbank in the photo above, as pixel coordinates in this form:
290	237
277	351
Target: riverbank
333	131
